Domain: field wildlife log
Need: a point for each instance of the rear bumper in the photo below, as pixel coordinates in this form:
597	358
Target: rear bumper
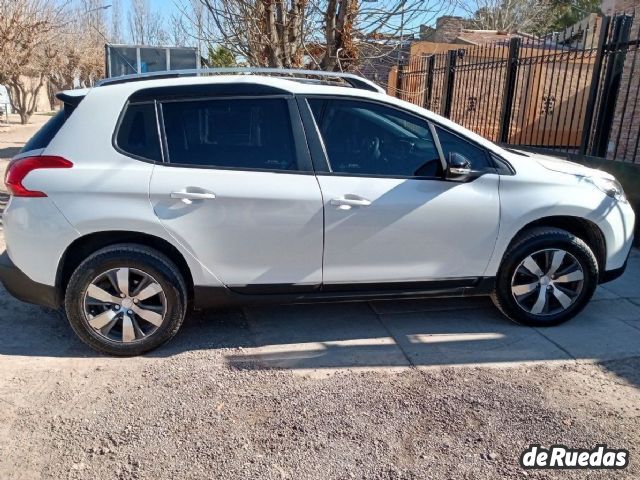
25	289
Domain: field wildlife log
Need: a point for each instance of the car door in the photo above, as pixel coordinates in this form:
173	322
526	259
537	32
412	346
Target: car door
237	189
390	214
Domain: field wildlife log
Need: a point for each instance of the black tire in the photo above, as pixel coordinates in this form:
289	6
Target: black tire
133	256
528	243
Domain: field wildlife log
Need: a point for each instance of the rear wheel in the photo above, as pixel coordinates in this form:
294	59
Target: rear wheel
546	278
126	300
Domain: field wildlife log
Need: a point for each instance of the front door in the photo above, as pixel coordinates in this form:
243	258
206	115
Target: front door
237	190
390	216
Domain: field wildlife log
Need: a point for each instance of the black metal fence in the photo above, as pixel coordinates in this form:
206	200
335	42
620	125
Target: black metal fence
577	91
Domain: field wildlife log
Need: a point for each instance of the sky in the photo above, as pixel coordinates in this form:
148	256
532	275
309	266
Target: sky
167	7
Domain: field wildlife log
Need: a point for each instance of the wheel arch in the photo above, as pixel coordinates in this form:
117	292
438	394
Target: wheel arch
582	228
84	246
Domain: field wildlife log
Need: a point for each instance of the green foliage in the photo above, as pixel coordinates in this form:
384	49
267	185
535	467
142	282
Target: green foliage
221	57
538	17
570	12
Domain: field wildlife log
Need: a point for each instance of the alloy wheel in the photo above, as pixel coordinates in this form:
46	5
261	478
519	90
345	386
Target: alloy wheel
124	305
547	282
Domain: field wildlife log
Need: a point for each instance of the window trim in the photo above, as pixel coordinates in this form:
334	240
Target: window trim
315	144
491	168
503	166
213	90
324	166
489	153
301	152
163	136
206	98
114	136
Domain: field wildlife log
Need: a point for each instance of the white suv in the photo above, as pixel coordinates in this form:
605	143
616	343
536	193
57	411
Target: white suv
147	196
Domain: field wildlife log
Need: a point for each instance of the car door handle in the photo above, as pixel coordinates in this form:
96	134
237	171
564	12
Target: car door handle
189	195
349	201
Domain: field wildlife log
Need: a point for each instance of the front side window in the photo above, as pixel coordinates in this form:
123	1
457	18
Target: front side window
138	132
452	143
237	133
371	139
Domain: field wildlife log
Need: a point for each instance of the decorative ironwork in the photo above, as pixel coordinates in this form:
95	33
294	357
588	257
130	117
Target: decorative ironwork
577	91
548	104
471	104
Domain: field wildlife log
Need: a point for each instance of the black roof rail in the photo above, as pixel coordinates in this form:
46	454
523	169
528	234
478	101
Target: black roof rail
354	81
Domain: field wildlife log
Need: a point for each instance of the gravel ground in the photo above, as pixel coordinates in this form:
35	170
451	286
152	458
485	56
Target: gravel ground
191	416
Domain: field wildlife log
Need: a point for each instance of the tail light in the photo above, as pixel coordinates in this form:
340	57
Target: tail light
19	169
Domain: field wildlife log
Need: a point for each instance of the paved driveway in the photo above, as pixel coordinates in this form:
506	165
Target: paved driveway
429	333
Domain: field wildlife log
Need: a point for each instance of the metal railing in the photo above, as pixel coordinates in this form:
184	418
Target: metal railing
578	91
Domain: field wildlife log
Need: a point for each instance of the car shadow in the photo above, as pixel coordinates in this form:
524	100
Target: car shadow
4	199
377	335
37	331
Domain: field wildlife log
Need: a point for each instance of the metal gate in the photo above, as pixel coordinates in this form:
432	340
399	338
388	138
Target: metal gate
577	91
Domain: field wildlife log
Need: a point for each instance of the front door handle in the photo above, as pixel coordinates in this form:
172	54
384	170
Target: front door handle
188	195
348	201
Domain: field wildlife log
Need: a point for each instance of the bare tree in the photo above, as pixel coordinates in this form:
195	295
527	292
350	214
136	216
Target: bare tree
532	16
116	35
27	28
145	25
317	33
178	32
77	58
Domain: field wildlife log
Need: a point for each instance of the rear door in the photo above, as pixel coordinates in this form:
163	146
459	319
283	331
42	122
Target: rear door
238	190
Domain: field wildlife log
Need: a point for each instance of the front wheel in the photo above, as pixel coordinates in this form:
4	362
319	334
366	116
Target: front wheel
126	300
546	278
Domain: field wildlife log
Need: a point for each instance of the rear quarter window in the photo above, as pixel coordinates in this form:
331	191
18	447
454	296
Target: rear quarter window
137	133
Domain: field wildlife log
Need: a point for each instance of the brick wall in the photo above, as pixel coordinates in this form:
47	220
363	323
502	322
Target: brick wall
623	141
550	94
448	28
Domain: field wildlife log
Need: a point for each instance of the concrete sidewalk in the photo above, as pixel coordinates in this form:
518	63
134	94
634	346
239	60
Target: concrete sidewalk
436	333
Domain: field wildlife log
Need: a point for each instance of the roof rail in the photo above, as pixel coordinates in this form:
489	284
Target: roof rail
353	80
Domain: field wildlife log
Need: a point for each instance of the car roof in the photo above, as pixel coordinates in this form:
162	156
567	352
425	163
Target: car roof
289	85
300	75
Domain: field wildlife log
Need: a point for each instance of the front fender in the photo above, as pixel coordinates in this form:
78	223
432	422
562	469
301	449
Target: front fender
558	195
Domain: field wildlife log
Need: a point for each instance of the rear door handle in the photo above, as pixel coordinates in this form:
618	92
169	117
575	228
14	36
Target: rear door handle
187	195
349	201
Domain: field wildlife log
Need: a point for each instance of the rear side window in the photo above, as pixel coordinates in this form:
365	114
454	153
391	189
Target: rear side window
49	130
234	133
138	132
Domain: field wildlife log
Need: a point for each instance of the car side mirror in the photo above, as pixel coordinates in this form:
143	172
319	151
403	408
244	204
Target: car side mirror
459	167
